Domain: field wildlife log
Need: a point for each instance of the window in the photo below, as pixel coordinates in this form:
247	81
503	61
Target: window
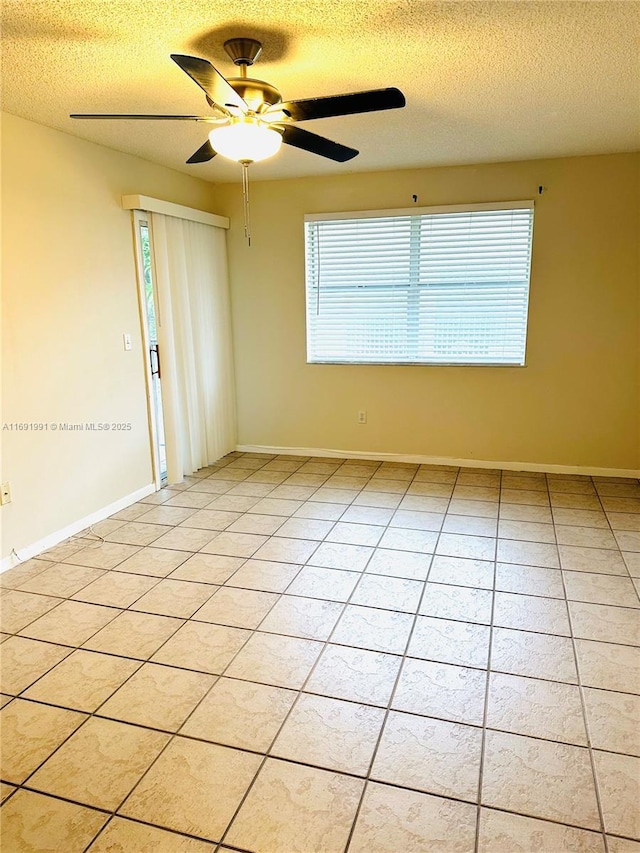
445	285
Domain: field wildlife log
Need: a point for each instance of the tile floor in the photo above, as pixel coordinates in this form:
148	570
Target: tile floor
292	655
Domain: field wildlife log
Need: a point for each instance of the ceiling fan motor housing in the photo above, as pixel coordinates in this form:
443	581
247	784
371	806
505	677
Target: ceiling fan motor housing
243	51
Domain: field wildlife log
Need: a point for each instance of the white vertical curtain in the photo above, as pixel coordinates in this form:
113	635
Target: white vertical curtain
194	336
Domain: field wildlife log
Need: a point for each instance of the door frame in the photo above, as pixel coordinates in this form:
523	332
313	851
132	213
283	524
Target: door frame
138	218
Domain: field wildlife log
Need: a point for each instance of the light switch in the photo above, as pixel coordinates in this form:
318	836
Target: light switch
127	341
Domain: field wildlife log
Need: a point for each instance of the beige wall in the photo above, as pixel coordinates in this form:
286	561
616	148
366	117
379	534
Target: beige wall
68	295
576	402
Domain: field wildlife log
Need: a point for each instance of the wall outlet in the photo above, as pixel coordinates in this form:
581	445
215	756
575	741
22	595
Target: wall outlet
362	416
127	341
5	494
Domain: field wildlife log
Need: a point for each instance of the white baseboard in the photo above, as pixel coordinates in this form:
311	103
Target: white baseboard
70	530
441	460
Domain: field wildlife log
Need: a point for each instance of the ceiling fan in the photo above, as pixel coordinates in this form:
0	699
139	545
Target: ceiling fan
252	120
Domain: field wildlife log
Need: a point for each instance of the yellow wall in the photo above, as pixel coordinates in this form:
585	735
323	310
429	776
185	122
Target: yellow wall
68	294
576	402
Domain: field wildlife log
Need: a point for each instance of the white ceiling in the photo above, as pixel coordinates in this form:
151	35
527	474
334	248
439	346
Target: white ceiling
484	81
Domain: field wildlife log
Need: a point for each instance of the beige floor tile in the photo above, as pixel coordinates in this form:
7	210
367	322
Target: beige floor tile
316	582
71	623
529	580
619	784
531	613
606	623
477	493
193	788
330	555
20	609
5	791
61	580
241	714
23	572
207	568
470	525
156	562
526	531
249	489
528	706
276	506
429	755
306	528
614	720
426	497
632	562
231	503
60	552
400	564
622	845
628	540
582	486
388	593
624	520
393	820
166	515
235	544
201	646
355	674
456	602
240	608
417	520
460	571
501	832
83	680
462	506
580	517
609	666
294	493
601	589
539	778
302	617
256	523
23	661
404	539
134	635
568	501
296	809
276	660
320	511
441	690
102	555
100	763
528	553
367	515
211	519
185	539
350	533
330	733
174	598
264	575
576	558
161	697
137	533
525	512
116	589
471	547
126	836
34	822
535	655
300	479
30	733
448	641
191	500
375	629
590	537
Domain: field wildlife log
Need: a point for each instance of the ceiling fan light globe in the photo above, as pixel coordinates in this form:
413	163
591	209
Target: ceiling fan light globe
245	141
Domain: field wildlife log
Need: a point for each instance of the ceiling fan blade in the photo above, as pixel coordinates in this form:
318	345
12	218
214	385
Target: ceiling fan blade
212	83
343	105
211	119
300	138
203	154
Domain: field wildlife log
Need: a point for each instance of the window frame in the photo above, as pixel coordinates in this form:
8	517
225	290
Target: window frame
413	282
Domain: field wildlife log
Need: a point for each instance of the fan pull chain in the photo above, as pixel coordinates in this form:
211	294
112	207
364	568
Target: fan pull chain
245	200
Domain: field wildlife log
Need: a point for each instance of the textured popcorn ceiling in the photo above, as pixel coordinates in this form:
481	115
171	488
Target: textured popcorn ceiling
484	81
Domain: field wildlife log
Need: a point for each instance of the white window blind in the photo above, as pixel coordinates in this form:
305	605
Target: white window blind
437	286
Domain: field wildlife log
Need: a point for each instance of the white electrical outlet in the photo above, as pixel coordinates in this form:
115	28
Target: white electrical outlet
5	494
127	341
362	417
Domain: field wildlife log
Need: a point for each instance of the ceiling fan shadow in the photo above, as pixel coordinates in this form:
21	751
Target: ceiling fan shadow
210	43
